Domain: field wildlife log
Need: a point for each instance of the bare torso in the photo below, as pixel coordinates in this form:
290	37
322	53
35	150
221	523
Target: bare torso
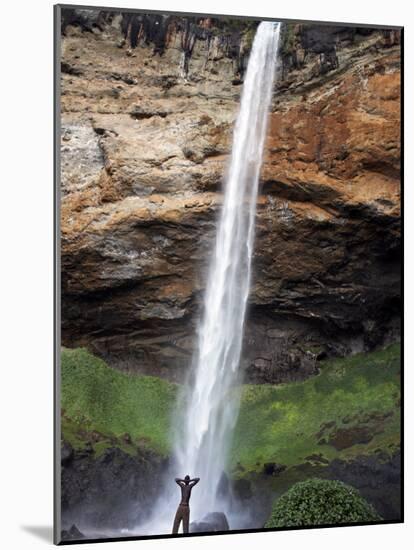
186	489
185	494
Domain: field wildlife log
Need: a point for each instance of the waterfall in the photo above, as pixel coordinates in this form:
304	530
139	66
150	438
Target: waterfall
211	398
211	410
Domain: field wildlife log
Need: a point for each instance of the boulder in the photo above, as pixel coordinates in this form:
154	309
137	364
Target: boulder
215	521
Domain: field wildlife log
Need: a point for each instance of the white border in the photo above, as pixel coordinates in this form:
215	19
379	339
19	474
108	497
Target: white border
26	229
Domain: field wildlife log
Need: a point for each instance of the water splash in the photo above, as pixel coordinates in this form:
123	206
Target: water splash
211	399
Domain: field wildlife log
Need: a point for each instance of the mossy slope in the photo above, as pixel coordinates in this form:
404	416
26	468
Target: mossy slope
350	408
102	404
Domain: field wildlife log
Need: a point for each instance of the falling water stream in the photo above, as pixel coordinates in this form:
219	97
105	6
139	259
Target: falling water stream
211	401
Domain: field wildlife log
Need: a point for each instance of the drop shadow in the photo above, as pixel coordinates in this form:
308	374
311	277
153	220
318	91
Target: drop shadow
42	532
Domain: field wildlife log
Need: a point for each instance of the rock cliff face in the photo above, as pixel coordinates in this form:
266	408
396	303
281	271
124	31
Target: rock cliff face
115	490
146	137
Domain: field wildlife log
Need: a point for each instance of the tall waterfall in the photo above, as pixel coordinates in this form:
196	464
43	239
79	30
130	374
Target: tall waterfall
212	408
211	398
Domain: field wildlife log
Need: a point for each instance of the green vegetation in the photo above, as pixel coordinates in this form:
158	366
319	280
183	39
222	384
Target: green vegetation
352	399
350	408
249	37
244	27
288	38
101	404
231	25
320	502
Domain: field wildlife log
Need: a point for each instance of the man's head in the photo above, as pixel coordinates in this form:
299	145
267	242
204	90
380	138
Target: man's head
187	480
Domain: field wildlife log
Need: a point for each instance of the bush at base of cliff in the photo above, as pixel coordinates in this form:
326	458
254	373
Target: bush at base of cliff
320	502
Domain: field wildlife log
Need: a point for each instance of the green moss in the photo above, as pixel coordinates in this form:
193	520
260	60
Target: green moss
288	38
73	434
232	25
99	399
284	424
320	502
249	37
288	423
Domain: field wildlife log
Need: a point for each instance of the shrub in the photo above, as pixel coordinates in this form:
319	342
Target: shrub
320	502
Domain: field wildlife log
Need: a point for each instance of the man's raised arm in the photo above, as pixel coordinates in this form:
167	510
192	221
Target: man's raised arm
194	481
179	481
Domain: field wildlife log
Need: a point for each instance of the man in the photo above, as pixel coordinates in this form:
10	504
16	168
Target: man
183	510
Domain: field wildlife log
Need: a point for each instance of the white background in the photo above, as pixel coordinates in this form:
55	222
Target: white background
26	285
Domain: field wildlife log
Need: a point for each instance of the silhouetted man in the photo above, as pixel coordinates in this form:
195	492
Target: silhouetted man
183	510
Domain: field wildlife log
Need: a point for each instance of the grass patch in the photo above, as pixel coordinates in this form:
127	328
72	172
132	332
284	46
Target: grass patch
351	396
351	399
104	404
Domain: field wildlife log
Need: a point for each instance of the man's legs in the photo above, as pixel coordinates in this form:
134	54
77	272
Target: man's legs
177	520
186	518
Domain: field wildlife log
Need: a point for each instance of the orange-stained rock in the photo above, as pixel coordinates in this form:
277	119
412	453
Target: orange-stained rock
144	154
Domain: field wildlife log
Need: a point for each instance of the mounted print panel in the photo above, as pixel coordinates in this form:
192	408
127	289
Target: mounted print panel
228	290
